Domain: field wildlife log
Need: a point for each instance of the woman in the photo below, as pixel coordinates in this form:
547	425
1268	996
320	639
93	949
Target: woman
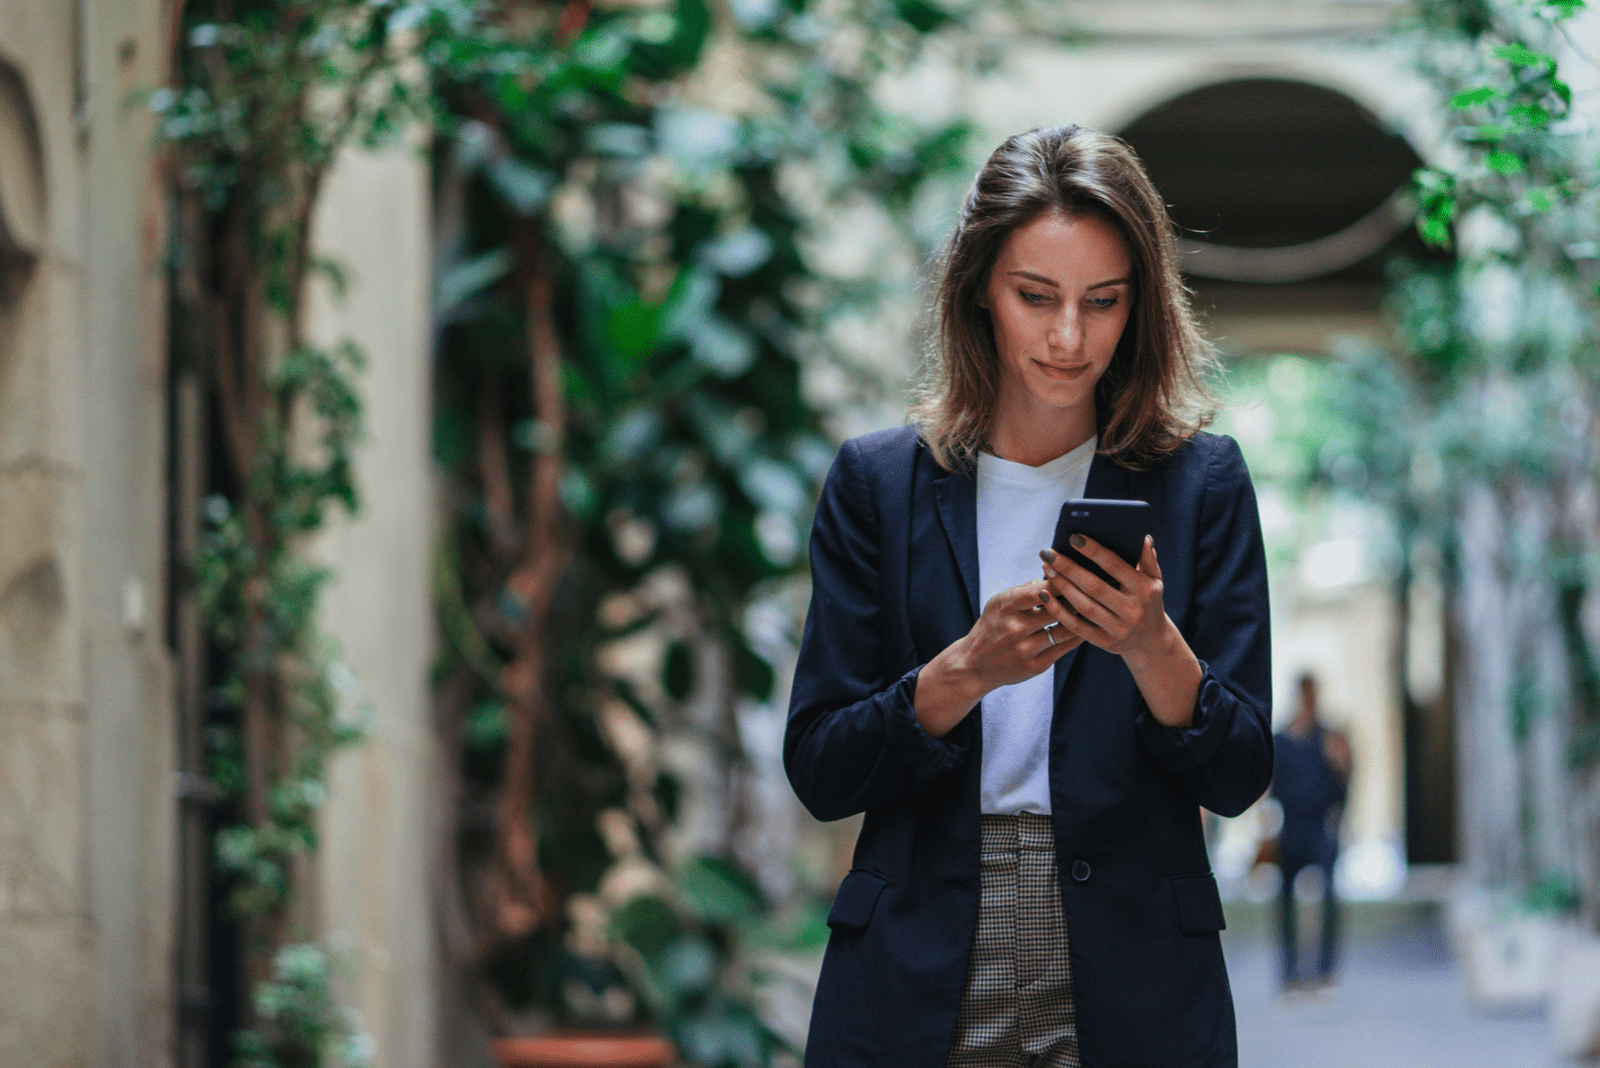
1030	745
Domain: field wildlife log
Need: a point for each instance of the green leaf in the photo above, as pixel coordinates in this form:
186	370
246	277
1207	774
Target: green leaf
1538	200
1481	95
1505	163
633	329
1520	55
1556	10
485	727
1489	133
1530	116
465	279
689	302
752	674
723	348
647	923
1437	205
688	966
717	891
1435	229
525	188
921	15
690	27
677	672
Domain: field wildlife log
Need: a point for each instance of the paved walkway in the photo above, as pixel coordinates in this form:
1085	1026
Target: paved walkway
1399	1003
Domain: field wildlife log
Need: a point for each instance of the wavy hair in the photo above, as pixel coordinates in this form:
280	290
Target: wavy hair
1152	398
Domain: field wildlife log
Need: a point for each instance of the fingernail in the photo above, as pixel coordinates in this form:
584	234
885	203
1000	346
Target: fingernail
1077	541
1049	573
1047	555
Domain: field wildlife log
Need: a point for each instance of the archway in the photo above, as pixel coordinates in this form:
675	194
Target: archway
1291	197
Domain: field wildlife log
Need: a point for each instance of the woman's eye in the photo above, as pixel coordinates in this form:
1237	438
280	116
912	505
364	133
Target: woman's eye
1102	302
1032	298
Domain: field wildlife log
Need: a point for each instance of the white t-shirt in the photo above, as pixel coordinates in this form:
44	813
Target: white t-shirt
1017	510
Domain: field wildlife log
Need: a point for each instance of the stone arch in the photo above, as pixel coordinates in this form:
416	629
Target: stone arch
33	575
22	186
1276	179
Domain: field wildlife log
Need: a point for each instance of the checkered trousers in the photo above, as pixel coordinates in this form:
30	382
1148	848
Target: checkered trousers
1017	1010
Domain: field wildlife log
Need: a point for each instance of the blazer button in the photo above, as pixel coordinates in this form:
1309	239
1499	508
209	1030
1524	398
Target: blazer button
1080	870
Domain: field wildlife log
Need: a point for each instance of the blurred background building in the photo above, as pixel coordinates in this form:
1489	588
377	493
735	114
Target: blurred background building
1283	134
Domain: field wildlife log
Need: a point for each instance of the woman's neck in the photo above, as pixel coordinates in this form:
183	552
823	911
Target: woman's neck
1035	442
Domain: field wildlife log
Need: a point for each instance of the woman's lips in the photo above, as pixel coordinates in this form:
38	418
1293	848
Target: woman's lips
1061	374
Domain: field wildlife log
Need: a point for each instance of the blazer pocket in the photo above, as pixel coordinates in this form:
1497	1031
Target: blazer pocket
857	896
1199	904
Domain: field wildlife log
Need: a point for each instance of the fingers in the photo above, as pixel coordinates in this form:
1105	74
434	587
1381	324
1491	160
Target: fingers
1107	615
1147	559
1028	597
1082	613
1058	642
1104	558
1064	574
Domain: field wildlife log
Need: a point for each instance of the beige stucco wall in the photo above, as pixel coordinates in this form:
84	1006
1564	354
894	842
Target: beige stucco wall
379	824
85	737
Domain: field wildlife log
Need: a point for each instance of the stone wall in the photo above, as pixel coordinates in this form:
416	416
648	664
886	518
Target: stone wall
85	809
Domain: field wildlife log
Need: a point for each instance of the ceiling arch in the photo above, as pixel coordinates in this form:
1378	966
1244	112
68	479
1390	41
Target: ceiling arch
1273	180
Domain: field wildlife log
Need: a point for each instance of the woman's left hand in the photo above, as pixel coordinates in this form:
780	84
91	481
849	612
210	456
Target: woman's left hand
1130	621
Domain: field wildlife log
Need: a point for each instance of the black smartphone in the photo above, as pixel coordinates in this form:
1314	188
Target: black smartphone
1120	526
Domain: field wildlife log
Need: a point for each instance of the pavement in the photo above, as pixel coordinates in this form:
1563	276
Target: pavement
1398	1003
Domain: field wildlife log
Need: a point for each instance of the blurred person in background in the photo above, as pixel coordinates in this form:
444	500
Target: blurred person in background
1310	778
1067	364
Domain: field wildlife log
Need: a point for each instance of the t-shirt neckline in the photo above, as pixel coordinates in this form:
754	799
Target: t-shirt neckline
1049	471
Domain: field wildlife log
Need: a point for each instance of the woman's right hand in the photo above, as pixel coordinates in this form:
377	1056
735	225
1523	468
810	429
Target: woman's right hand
1014	639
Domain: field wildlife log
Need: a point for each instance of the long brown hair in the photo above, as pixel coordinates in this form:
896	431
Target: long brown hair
1152	398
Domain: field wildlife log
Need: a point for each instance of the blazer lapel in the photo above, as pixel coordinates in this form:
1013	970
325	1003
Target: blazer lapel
957	494
1107	482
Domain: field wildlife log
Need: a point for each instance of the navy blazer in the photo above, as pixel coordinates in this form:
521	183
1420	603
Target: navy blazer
894	566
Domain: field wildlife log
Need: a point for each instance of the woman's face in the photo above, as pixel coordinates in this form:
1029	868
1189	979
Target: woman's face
1059	297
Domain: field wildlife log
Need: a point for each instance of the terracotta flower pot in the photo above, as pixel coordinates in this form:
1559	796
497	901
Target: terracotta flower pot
585	1051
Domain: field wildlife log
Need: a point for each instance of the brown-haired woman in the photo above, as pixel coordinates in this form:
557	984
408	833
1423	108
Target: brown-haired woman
1030	885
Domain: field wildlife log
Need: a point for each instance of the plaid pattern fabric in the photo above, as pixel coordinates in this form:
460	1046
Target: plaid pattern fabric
1017	1010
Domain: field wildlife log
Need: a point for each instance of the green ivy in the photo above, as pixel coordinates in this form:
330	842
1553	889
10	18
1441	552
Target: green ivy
674	251
267	94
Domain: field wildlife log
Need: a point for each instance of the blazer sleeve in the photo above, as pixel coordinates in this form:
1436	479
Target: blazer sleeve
852	741
1225	756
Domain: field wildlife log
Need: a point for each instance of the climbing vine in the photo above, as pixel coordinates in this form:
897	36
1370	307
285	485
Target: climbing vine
266	95
632	199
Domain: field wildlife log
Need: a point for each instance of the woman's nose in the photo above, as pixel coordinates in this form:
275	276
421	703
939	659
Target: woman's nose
1066	331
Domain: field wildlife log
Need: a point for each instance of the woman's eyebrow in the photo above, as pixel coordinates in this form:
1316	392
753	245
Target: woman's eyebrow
1052	282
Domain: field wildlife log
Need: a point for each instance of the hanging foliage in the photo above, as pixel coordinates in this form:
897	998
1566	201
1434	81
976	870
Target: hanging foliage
630	198
267	93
